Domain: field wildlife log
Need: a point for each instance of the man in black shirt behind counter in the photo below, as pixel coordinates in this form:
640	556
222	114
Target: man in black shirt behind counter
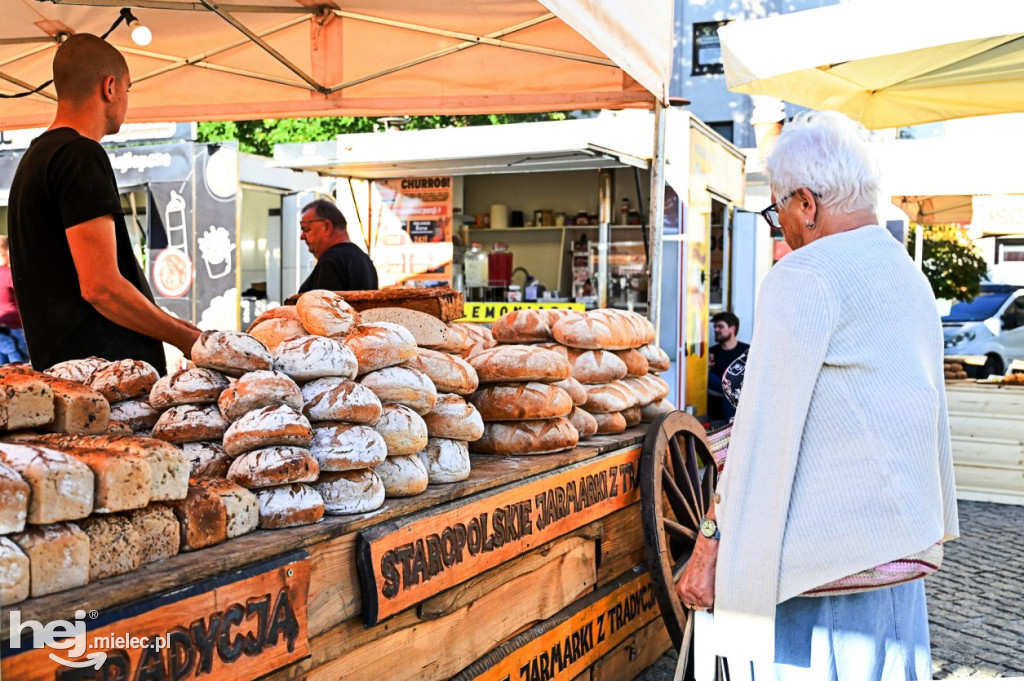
726	350
79	287
341	265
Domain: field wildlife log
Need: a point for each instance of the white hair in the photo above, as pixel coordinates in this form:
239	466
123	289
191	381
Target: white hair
830	154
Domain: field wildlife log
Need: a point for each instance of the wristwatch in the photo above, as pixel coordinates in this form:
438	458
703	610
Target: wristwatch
709	528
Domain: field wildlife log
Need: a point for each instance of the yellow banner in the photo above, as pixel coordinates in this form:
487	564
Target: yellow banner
485	313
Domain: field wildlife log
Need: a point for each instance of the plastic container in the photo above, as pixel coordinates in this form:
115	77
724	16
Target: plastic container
474	270
515	294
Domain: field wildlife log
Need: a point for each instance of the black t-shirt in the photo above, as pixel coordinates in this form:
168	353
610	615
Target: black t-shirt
63	180
343	267
719	359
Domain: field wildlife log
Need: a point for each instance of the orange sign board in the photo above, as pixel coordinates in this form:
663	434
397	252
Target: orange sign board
583	633
237	626
405	562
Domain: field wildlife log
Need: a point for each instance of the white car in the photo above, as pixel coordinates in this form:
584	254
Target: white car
991	326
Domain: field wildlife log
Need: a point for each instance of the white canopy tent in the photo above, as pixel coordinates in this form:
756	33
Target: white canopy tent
887	64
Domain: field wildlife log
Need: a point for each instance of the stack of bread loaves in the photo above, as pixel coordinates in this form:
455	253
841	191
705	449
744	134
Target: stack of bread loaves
187	415
124	384
657	362
524	399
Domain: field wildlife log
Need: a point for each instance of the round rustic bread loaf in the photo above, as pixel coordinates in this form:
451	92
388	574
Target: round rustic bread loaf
230	352
325	313
519	363
380	345
644	391
651	411
658	386
610	424
272	466
577	393
402	476
190	423
632	416
583	422
591	367
449	373
599	330
404	431
289	506
194	385
445	460
522	326
479	338
644	327
206	459
521	401
347	447
454	418
602	399
657	359
349	492
137	412
402	385
79	370
527	437
339	399
636	363
279	312
124	379
309	357
458	341
556	314
258	389
273	332
266	427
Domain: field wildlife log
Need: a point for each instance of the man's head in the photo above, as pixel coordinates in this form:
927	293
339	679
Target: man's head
322	226
89	74
726	325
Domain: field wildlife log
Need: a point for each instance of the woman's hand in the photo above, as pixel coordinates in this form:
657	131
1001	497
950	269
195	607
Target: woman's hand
696	586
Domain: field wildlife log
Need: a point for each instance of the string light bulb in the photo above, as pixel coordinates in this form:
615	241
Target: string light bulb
141	35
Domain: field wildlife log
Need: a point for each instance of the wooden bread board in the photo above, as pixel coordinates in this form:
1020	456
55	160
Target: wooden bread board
444	303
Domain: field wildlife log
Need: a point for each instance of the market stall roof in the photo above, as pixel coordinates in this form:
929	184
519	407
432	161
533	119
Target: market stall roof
278	58
602	142
885	63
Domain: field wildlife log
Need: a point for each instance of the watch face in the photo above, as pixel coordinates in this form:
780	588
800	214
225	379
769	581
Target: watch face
708	527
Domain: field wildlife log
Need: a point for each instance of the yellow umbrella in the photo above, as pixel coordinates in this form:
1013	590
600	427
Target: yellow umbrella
887	64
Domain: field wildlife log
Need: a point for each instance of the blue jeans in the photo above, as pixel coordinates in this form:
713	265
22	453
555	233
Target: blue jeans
872	636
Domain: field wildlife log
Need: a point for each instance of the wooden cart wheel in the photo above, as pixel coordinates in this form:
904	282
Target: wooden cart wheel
677	481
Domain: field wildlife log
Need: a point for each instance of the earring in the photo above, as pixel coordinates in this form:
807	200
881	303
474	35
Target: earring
810	225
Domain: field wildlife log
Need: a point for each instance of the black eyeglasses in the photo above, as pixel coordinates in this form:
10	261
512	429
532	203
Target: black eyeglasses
771	213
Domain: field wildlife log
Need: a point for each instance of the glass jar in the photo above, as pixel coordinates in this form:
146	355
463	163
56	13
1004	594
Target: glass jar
474	269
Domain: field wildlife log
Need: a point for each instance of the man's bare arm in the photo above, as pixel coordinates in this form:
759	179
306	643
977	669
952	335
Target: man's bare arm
94	249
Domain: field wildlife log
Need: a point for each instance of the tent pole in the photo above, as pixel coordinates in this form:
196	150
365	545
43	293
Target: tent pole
657	219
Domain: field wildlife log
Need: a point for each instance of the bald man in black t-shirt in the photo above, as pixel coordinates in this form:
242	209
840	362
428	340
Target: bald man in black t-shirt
80	289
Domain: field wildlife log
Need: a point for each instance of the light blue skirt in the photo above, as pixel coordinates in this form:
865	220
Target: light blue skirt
877	635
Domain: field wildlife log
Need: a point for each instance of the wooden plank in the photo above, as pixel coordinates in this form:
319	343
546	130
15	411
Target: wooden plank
999	427
997	480
487	472
977	398
988	453
438	649
239	626
403	563
622	543
333	585
635	654
572	641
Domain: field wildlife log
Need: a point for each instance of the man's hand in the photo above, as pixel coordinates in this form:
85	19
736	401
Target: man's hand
696	586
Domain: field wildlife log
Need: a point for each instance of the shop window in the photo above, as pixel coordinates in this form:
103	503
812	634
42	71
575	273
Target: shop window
1011	251
707	49
723	128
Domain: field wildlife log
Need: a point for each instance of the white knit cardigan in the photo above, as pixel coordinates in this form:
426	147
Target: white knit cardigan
840	455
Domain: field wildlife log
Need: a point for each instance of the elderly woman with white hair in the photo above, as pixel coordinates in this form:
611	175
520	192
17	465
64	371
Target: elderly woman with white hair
838	489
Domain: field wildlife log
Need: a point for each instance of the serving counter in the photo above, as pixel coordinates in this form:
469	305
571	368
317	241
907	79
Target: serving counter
530	569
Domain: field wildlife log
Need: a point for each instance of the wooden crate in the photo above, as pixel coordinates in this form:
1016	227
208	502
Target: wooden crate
987	425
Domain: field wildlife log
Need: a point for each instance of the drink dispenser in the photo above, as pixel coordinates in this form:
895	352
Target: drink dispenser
500	271
475	270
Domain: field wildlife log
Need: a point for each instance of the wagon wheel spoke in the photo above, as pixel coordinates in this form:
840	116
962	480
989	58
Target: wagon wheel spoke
678	530
680	470
708	487
681	506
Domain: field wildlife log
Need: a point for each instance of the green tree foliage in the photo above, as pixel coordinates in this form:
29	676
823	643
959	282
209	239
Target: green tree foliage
952	263
260	136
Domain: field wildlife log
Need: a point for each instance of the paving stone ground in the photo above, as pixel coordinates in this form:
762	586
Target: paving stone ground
975	602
